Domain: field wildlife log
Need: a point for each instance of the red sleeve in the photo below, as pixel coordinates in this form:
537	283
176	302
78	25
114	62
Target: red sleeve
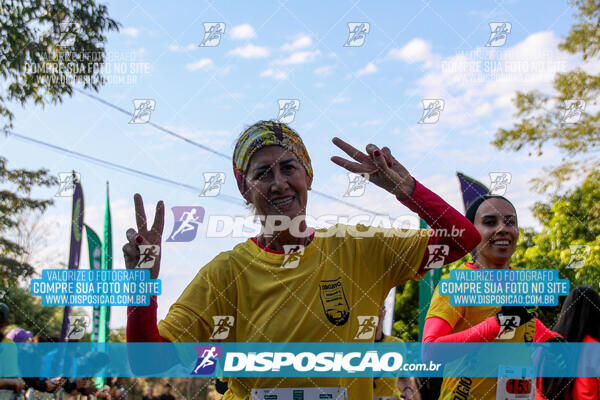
450	227
542	333
586	389
141	323
437	330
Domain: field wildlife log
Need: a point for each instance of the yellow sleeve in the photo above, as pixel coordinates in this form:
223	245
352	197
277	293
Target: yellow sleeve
210	294
440	307
395	253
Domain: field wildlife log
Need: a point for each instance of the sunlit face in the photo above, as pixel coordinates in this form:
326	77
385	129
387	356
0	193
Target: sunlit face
496	221
277	183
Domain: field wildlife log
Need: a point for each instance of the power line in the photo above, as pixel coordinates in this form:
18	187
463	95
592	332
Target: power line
122	168
160	128
227	157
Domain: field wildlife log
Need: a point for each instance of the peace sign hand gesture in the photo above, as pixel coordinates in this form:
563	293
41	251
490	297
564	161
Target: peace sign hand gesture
143	236
383	169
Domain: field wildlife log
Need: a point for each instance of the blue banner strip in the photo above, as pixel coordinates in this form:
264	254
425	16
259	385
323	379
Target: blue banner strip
301	359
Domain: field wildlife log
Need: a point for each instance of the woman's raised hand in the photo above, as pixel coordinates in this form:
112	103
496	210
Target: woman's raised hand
383	169
143	236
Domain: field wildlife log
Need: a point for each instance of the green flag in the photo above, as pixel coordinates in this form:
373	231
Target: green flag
104	323
95	253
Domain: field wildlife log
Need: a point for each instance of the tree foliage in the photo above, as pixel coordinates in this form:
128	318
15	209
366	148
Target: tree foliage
48	45
542	116
16	201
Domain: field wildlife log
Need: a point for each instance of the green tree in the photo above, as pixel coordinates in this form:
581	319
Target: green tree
47	46
570	233
542	115
16	200
406	312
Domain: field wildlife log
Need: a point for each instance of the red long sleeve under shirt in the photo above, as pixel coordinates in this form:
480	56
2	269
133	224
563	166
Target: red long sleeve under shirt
439	215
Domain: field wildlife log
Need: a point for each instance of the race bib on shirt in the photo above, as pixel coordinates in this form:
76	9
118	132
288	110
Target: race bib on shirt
510	387
300	394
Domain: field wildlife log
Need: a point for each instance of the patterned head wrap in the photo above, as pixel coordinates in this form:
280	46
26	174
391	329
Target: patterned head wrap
263	134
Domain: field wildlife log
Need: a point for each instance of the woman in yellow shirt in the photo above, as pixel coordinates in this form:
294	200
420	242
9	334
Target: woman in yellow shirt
253	293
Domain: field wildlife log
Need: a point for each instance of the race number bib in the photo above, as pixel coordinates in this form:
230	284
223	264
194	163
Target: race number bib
300	394
511	387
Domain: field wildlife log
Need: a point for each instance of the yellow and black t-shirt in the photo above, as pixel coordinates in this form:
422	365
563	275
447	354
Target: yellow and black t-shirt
244	295
464	317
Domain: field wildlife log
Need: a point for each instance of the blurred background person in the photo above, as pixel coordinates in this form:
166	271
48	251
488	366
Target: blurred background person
579	321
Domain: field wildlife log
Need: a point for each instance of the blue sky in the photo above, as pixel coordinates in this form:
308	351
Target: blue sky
293	50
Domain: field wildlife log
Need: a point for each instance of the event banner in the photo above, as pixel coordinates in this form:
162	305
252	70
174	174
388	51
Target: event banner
307	359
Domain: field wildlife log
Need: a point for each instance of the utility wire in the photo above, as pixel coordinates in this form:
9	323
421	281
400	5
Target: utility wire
227	157
122	168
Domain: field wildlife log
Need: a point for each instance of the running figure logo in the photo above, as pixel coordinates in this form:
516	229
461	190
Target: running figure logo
293	254
212	34
357	184
148	253
508	325
573	111
223	325
187	220
67	182
77	326
358	33
207	359
499	182
68	33
579	253
142	109
432	108
437	255
287	110
499	32
367	324
212	183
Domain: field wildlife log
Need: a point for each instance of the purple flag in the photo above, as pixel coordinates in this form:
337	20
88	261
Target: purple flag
470	188
75	247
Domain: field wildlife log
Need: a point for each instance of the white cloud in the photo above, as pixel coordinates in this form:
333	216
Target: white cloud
130	31
369	69
372	122
200	64
244	31
325	70
340	99
482	83
274	73
417	50
301	42
299	57
250	51
189	47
